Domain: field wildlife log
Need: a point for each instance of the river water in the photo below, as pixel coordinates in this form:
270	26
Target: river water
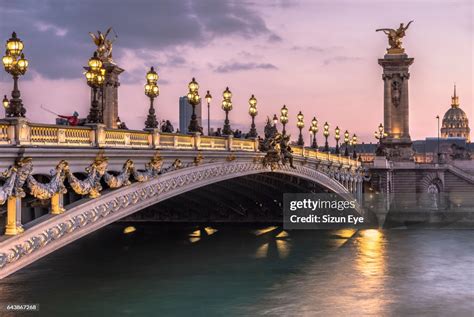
230	270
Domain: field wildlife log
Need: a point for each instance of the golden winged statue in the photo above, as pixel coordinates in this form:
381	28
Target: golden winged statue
395	37
104	45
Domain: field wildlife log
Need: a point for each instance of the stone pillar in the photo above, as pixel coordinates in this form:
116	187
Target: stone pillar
108	94
396	103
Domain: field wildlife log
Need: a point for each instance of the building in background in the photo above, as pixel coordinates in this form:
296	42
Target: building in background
455	121
185	112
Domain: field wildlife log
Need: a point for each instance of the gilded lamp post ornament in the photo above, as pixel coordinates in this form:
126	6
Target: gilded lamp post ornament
194	99
326	135
337	136
16	65
253	112
284	118
151	91
300	126
395	38
314	129
227	106
95	76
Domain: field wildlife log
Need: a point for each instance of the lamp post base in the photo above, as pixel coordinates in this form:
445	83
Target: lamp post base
226	130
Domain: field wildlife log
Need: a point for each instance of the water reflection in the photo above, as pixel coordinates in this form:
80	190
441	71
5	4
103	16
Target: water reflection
235	272
370	262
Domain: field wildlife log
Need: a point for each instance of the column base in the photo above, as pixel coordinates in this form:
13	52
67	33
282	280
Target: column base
13	230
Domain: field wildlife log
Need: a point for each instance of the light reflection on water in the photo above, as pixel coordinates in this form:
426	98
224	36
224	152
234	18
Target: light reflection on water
251	271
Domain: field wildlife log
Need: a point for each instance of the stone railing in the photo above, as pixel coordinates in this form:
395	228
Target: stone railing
19	132
4	135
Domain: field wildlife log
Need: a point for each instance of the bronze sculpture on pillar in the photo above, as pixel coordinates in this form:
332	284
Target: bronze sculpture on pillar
395	75
107	96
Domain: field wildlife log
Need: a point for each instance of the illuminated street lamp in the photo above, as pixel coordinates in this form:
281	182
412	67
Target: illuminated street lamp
253	112
16	65
300	126
314	129
346	142
380	134
354	144
194	99
151	91
208	99
275	119
337	136
5	103
227	106
326	135
284	118
95	76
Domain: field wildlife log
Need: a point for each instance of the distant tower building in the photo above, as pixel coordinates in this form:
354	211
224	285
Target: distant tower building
455	122
185	112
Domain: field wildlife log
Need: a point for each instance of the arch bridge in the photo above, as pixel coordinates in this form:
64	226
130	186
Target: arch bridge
99	176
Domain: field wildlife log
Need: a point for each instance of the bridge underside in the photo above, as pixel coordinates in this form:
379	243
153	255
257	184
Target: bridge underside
250	198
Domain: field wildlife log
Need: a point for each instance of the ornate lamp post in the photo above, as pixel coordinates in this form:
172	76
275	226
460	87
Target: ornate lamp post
314	129
354	144
16	65
193	99
326	135
227	106
337	136
253	112
208	99
95	76
151	91
284	118
346	142
380	134
300	125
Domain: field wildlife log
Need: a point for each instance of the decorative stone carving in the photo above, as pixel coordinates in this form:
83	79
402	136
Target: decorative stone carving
121	179
91	185
152	170
56	185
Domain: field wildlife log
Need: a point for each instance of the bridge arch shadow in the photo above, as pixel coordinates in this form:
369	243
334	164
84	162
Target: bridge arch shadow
250	198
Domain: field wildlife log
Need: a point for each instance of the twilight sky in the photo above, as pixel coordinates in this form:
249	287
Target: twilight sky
319	57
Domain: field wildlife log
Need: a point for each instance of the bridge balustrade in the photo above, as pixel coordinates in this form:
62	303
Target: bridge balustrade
19	132
4	138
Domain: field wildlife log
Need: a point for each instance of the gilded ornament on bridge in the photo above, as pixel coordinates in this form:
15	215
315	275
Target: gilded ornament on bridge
123	178
55	186
24	167
198	159
231	157
91	185
277	147
7	188
152	169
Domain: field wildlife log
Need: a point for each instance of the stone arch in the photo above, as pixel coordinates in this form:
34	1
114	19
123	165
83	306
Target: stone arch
113	205
432	183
